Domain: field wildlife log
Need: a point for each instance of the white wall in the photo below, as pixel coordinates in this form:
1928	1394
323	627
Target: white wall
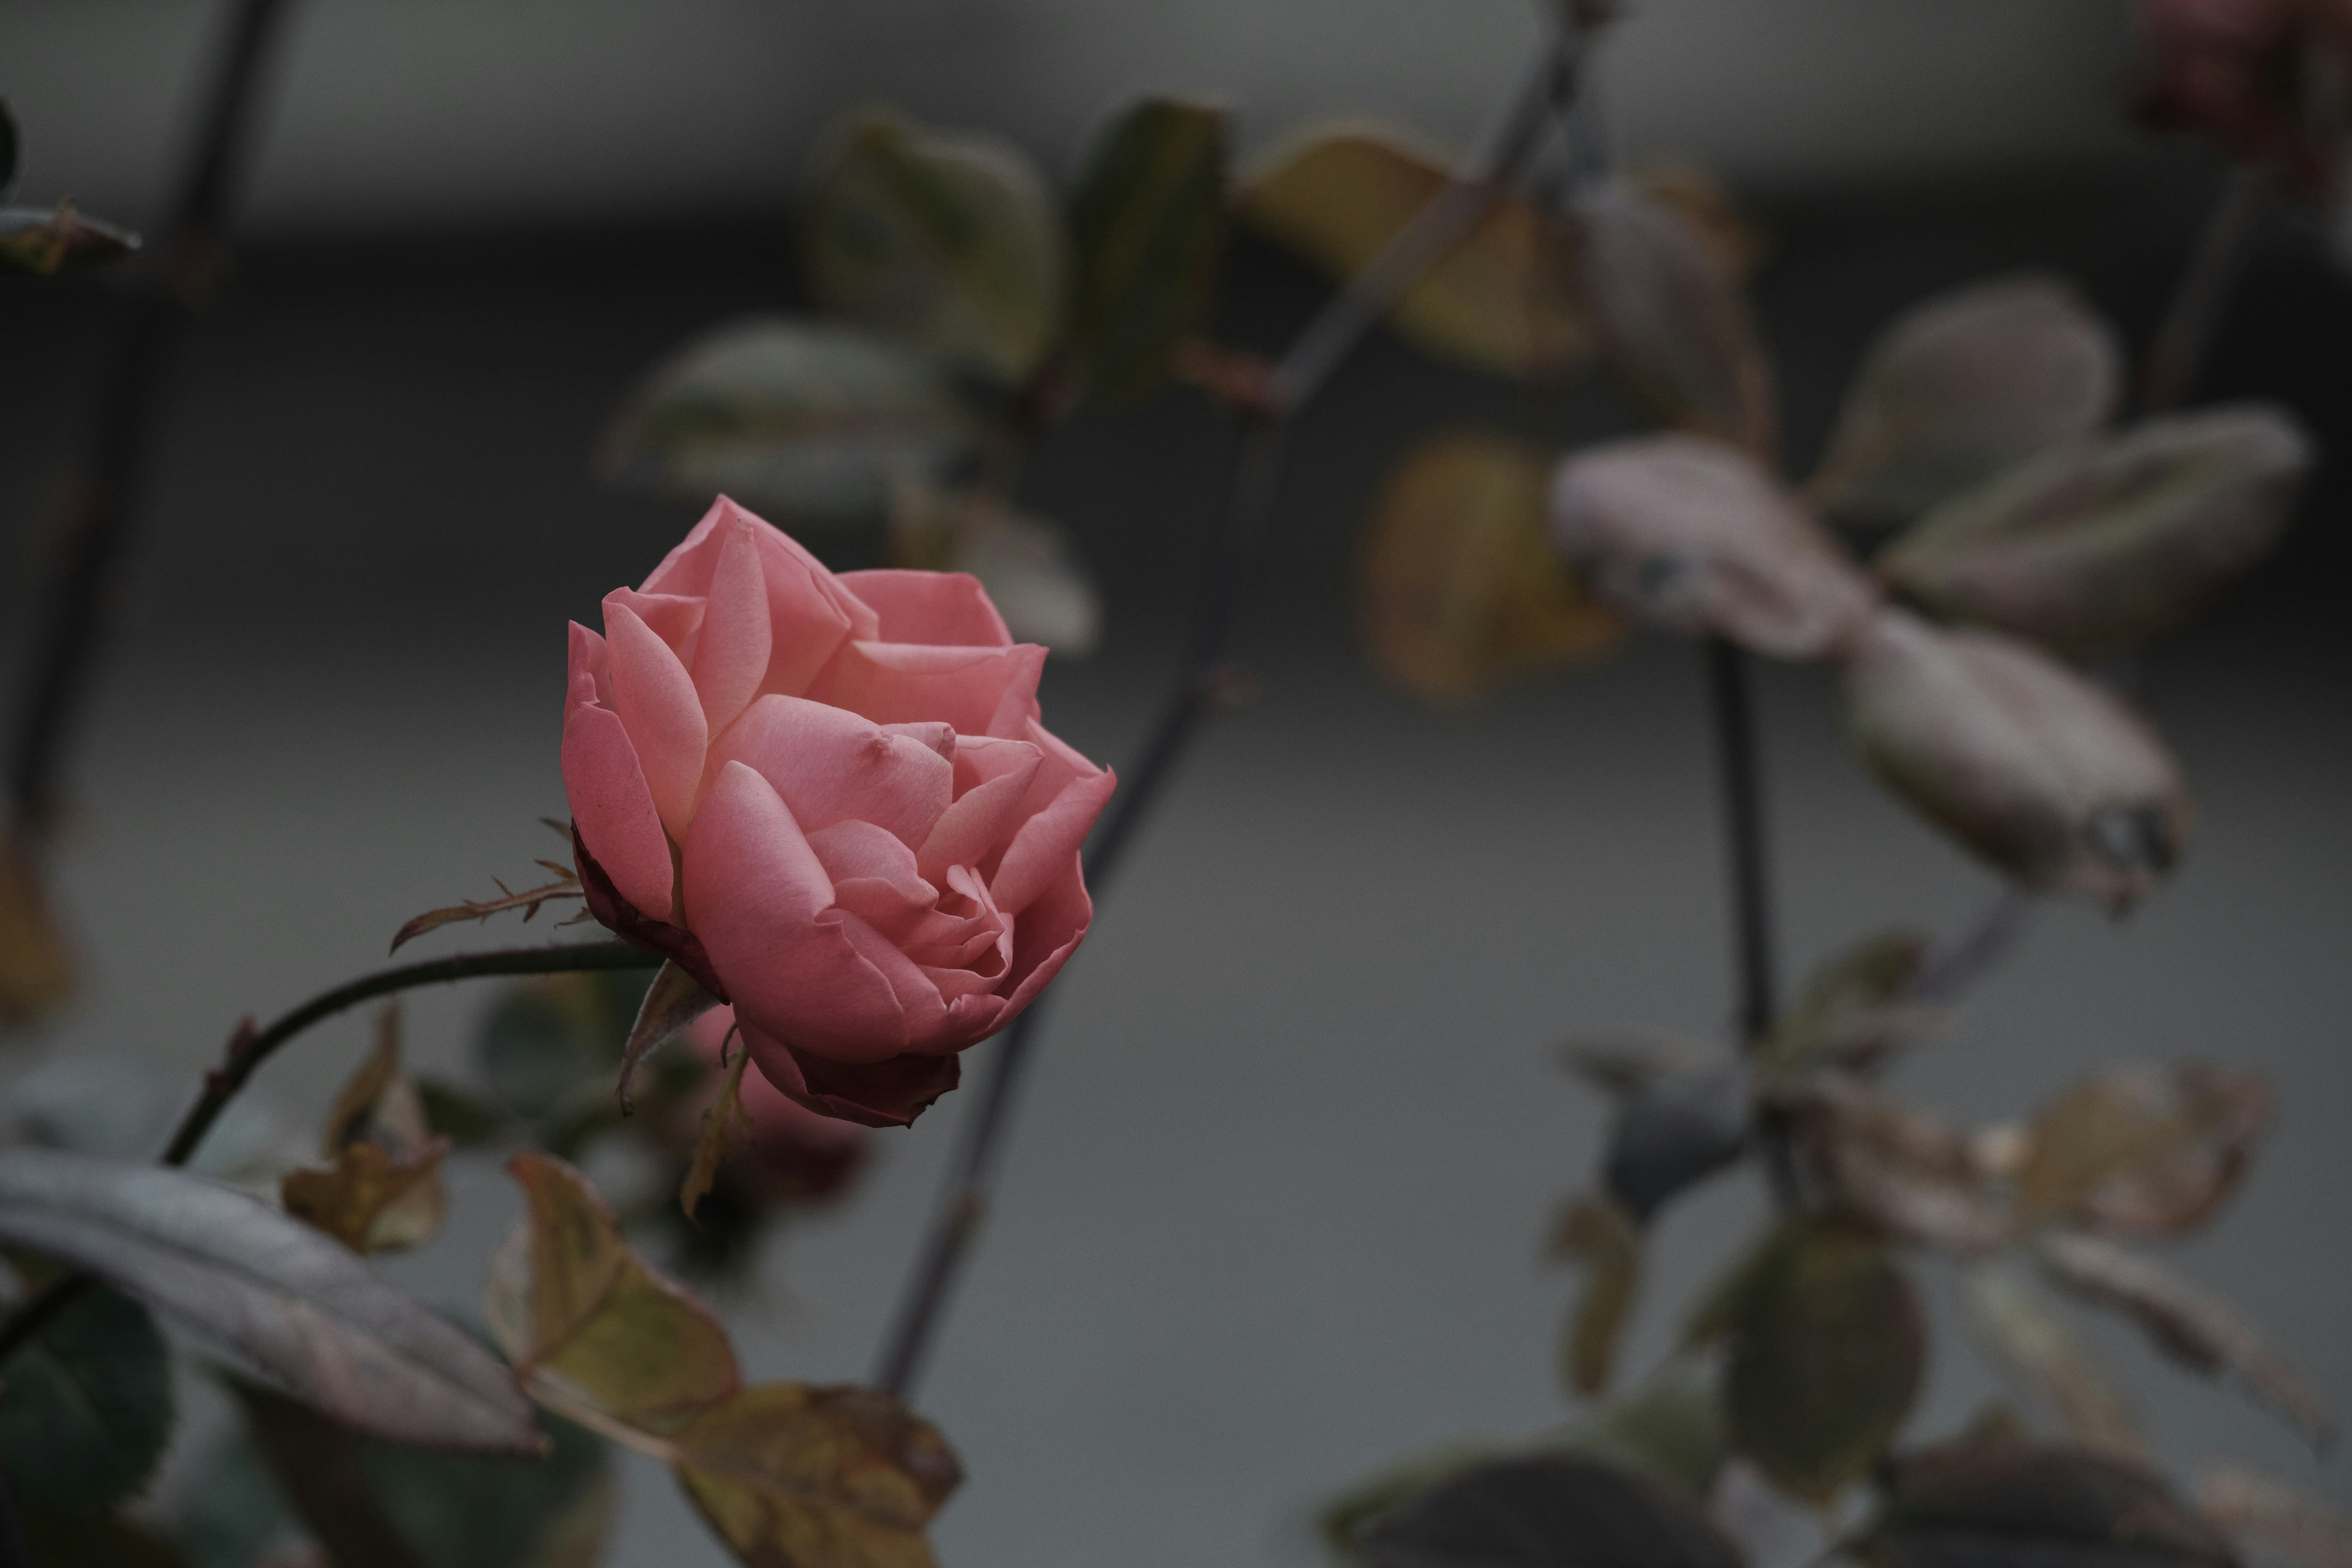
396	112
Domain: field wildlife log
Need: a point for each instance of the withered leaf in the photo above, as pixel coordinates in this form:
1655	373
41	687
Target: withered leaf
1691	535
1456	586
2037	769
45	241
1148	226
38	973
1594	1232
1961	386
2007	1505
1504	300
805	423
2256	1508
269	1295
566	886
2104	543
672	1000
724	1121
1855	1009
381	1188
1889	1167
950	242
1556	1510
1828	1346
2142	1151
1672	320
1674	1133
2186	1323
2026	1332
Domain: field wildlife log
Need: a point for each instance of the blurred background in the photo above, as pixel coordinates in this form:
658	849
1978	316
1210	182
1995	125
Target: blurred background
1275	1213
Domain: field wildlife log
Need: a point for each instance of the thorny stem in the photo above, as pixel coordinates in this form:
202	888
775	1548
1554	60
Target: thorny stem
94	511
1257	474
2169	370
247	1049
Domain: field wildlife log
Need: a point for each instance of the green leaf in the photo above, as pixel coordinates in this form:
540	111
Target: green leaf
1854	1009
1961	386
1671	1427
1828	1347
87	1408
2103	543
1547	1511
268	1293
950	243
1457	586
804	422
545	1038
466	1119
675	1000
1149	225
1503	300
1997	1505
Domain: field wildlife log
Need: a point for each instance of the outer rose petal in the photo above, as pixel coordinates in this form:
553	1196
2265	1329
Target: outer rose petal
613	810
761	905
1045	937
1047	844
888	1093
970	687
658	706
730	656
945	609
830	766
809	613
589	677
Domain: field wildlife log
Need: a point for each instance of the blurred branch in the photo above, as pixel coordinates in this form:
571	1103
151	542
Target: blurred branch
247	1049
1731	703
93	511
2177	353
1257	474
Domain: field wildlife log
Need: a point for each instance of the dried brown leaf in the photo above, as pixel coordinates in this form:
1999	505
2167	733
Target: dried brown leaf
381	1189
1962	386
1997	1504
528	902
1602	1237
1456	587
37	971
672	1001
52	240
1890	1167
721	1124
1672	320
1693	536
2026	1332
2142	1151
2105	543
2192	1327
2039	770
2268	1512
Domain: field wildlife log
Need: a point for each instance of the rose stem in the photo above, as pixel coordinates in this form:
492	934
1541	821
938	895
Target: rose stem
93	508
2175	354
1731	704
247	1049
1257	474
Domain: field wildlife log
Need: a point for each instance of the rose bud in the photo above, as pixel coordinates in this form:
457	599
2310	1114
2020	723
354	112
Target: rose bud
828	799
794	1152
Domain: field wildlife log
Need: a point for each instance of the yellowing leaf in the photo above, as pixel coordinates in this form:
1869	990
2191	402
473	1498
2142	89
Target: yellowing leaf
38	972
2142	1151
382	1189
949	242
817	1478
2026	1332
1456	585
1895	1171
1503	300
1603	1236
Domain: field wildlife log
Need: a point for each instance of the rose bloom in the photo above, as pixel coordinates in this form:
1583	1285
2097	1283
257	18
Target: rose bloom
793	1152
829	799
2245	75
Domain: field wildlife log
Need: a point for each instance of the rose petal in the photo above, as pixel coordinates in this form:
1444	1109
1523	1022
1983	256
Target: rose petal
657	705
1047	844
673	619
613	809
589	677
730	657
970	687
830	766
810	615
759	901
987	808
1044	937
888	1093
944	609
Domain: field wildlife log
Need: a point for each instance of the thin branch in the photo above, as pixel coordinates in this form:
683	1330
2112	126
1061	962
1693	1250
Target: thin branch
95	507
1731	705
248	1048
1257	474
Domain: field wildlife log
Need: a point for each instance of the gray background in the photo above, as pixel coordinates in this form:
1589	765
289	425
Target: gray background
1273	1217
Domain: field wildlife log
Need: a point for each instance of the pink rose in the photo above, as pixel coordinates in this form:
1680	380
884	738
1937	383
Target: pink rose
2247	75
794	1152
829	799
